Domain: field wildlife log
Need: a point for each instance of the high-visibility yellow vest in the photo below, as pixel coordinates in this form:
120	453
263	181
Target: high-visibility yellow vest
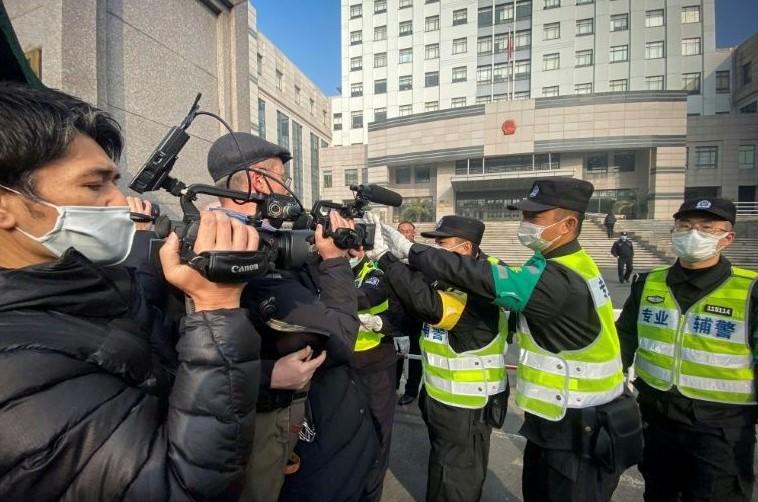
367	340
465	379
550	383
705	352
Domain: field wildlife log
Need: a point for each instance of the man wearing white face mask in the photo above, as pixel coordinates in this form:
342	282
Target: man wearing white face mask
581	431
690	329
87	413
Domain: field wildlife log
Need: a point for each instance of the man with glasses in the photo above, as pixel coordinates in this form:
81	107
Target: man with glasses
691	331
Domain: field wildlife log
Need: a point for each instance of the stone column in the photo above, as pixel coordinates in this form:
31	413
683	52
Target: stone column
667	178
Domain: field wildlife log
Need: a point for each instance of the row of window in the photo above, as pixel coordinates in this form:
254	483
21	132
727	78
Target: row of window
620	53
620	22
691	83
380	7
488	16
431	23
380	114
351	177
707	157
298	91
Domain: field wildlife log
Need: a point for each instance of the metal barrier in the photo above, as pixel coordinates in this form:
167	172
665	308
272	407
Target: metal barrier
746	208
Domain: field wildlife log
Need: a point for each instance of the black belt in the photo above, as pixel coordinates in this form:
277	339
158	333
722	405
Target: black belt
272	400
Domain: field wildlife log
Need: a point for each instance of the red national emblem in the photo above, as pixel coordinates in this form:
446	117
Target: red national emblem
509	127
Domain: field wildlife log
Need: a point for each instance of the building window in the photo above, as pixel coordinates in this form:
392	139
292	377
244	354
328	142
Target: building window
327	179
551	31
356	89
458	102
351	177
484	46
460	16
552	4
259	69
406	28
380	86
261	118
584	58
459	74
691	14
621	85
597	162
460	46
619	54
584	27
431	79
551	61
380	33
581	2
406	110
432	23
550	92
356	37
297	158
523	39
356	63
364	175
690	46
337	122
747	75
298	95
691	83
624	160
502	72
523	69
405	3
380	60
423	174
706	157
380	6
310	105
746	156
431	106
403	176
405	83
432	51
356	11
722	81
654	18
654	50
504	13
480	100
485	16
654	83
356	120
620	22
380	115
583	89
406	56
282	130
484	74
279	80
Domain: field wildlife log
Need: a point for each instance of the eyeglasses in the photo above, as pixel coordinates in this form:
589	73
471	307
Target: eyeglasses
708	228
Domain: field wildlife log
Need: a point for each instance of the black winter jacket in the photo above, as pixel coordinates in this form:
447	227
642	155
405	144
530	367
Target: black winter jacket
86	412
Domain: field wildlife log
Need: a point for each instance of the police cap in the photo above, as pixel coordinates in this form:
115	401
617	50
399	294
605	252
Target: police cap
457	226
720	208
556	192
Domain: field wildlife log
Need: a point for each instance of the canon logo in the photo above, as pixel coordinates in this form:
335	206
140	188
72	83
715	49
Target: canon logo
239	269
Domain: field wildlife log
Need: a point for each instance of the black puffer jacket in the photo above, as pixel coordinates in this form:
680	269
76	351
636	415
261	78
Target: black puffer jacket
85	412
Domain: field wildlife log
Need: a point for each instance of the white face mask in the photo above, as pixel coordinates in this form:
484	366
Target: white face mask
437	246
354	261
694	245
103	234
530	235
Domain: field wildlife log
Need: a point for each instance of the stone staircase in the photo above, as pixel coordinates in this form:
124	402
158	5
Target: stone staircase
500	240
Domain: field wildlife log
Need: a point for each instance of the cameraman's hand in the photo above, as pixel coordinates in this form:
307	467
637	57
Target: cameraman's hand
217	232
143	207
325	245
294	371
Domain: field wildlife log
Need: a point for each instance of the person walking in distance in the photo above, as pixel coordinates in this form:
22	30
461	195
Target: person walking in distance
623	250
609	222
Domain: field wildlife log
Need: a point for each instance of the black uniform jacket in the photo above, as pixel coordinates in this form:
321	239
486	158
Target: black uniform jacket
557	304
87	412
688	287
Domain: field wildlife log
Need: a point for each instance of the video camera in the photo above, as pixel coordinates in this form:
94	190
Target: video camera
363	235
280	249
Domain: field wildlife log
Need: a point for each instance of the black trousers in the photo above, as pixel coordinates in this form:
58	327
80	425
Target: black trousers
414	369
563	475
460	449
380	390
687	465
625	268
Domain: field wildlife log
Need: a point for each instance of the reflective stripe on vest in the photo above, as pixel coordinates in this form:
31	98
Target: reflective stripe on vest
549	383
704	352
465	379
367	340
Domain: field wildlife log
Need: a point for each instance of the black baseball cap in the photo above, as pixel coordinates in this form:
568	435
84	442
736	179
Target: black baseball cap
721	208
457	226
225	157
556	192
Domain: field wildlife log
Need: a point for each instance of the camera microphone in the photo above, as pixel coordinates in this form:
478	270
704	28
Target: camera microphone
379	195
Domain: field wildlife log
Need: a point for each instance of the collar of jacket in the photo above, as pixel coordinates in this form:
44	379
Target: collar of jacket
70	285
566	249
703	279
